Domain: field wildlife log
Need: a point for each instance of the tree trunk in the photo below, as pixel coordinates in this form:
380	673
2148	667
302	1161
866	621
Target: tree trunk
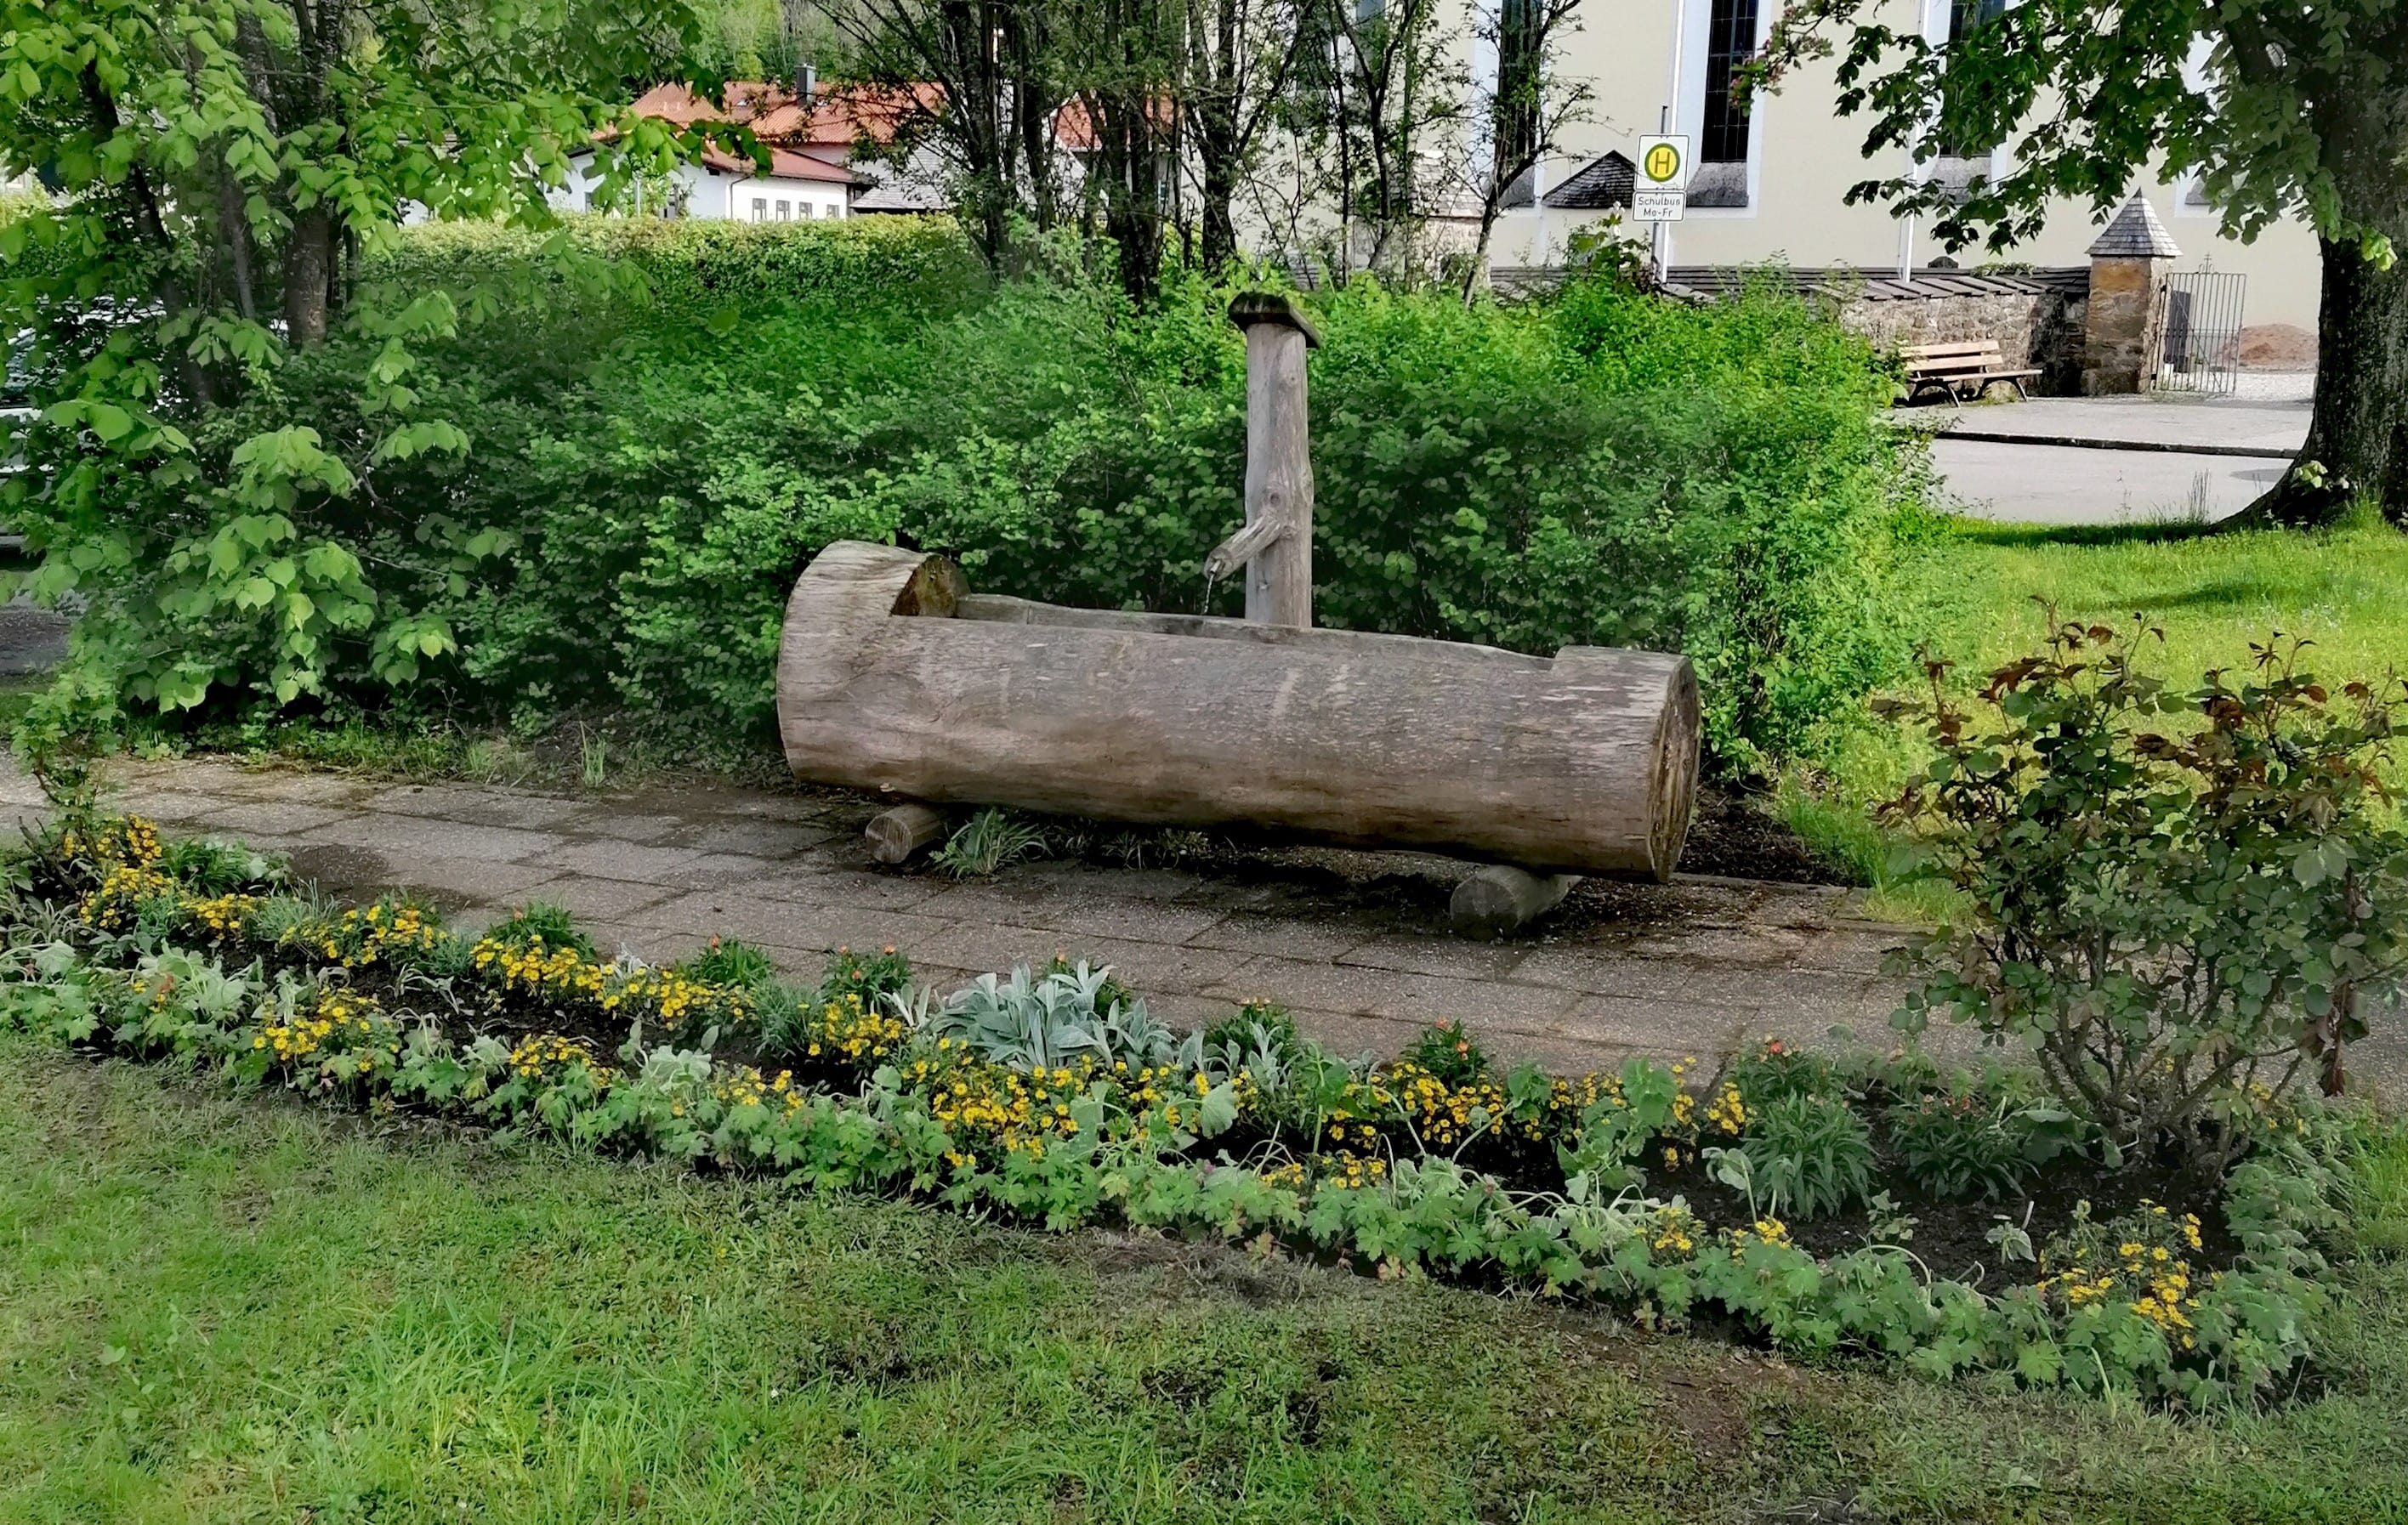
2358	438
892	677
1220	231
1475	275
309	267
1215	113
1129	167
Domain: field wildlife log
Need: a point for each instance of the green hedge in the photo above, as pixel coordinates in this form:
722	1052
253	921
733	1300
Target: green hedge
656	460
694	266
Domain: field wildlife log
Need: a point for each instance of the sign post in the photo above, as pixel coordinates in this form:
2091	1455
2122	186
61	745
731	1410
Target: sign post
1661	194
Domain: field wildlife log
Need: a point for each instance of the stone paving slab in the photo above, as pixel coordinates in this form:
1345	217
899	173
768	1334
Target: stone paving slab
1694	968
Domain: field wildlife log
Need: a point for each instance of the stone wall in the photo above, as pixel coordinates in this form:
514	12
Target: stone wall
2039	327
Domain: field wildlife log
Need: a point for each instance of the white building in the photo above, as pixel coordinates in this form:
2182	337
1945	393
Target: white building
796	188
1771	177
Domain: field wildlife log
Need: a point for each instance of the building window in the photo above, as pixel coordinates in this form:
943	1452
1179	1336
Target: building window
785	211
760	208
1518	66
1965	14
1730	41
1965	17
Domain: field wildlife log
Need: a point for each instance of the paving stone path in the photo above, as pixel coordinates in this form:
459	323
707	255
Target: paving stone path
1354	943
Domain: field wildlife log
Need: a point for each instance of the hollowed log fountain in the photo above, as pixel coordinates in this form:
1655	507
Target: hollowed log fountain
893	676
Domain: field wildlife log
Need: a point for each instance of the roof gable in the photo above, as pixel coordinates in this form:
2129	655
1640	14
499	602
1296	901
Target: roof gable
1601	184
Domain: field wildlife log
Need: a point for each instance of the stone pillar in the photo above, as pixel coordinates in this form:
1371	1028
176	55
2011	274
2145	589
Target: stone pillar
2128	270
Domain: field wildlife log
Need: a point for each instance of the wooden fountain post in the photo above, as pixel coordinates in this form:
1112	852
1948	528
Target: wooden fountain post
1276	546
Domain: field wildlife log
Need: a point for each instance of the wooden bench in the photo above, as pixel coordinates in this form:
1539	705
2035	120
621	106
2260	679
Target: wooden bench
1959	370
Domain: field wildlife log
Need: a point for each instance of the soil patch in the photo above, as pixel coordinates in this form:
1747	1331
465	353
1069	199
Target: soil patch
1407	893
1731	838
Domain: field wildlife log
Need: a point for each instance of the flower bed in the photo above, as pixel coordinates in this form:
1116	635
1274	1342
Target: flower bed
1790	1197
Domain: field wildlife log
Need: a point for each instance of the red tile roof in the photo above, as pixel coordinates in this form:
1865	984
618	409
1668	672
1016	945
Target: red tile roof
839	117
785	164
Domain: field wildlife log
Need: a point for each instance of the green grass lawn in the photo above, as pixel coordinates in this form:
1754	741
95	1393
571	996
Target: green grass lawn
2214	595
224	1308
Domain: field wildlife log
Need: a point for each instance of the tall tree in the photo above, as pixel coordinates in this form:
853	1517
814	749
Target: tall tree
979	85
1123	60
764	39
1521	115
222	167
1239	56
1398	91
2281	106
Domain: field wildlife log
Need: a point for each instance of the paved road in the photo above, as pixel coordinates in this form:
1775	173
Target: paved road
32	639
2051	482
2043	484
2275	427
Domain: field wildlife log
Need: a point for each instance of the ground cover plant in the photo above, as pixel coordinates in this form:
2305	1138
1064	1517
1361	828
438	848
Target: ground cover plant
381	1317
1051	1098
646	461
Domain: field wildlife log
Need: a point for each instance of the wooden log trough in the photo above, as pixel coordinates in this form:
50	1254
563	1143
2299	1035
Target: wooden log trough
893	676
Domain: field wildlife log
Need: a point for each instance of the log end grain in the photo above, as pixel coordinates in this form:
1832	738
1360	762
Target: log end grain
901	834
1499	900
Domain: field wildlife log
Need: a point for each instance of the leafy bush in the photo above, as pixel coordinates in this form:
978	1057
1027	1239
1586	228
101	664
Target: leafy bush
2182	904
1258	1027
1808	1156
727	961
700	267
1960	1146
826	1033
1047	1022
1774	1071
540	923
216	867
643	466
1447	1051
871	983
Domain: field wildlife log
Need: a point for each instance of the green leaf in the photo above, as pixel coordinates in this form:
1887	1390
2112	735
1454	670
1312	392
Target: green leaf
1218	1111
2039	1364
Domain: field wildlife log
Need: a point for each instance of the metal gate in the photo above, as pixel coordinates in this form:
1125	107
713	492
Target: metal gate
2198	322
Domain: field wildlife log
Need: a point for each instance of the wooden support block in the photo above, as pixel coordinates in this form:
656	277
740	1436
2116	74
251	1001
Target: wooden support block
1499	899
894	835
